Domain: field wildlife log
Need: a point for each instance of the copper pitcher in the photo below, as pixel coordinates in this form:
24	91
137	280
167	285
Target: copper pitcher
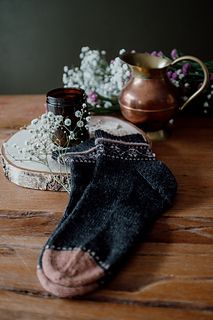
149	98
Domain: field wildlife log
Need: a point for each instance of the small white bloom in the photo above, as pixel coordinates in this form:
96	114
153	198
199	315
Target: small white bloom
80	124
124	67
85	49
78	114
107	104
122	51
34	122
66	69
58	119
44	121
88	118
50	115
72	135
44	116
67	122
206	104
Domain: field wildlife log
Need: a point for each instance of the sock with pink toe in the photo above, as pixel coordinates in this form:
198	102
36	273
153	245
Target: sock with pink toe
128	191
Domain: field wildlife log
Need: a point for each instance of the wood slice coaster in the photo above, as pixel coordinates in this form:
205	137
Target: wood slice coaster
30	174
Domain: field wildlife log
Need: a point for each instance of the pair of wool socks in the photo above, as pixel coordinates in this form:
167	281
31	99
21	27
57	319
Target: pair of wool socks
118	189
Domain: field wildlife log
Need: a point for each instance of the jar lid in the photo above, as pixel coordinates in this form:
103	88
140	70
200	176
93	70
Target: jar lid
65	96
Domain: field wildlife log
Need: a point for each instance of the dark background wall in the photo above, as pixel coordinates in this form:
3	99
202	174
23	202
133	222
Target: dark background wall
39	37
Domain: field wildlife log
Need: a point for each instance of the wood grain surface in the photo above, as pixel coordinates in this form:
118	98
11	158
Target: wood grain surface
169	276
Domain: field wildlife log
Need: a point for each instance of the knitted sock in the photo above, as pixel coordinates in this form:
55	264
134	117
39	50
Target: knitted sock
129	189
71	154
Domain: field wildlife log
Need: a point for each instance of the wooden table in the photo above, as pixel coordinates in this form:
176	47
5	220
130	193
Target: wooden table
171	274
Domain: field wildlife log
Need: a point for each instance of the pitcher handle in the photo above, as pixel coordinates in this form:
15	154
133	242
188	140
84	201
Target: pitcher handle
205	80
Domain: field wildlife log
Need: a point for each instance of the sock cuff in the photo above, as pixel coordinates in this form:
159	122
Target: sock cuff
129	147
79	153
89	155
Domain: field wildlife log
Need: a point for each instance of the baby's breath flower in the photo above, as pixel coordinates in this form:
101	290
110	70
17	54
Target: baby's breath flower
84	49
72	135
50	115
80	124
78	114
67	122
43	116
122	51
34	121
88	118
107	104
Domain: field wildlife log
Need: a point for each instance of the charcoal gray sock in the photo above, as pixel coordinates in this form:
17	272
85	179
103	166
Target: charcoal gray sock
129	189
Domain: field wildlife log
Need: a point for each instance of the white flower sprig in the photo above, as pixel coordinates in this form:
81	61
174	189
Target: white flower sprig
102	81
43	140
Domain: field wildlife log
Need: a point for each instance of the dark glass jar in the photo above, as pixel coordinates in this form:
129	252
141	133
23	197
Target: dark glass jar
70	103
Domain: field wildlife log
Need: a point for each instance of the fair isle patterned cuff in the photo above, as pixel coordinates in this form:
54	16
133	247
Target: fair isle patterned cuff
88	156
129	147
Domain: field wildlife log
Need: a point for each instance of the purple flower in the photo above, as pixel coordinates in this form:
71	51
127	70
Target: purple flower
157	54
174	54
174	75
92	97
169	74
186	68
154	53
160	54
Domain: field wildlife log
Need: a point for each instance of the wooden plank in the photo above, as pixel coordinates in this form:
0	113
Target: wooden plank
18	110
25	307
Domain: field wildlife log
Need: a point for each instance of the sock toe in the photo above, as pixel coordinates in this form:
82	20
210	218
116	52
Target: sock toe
70	267
61	291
